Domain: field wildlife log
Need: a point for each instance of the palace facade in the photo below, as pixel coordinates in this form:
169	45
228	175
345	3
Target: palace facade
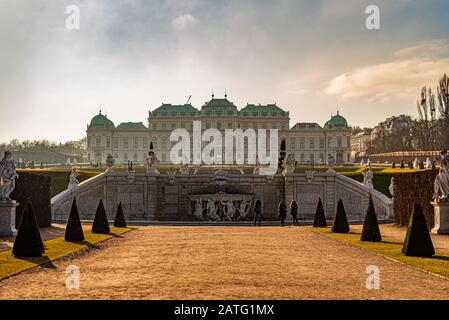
309	142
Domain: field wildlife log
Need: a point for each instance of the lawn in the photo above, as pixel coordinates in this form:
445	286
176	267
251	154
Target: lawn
438	264
54	249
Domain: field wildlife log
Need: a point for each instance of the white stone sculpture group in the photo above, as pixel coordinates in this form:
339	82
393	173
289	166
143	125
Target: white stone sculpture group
73	182
224	210
368	176
152	164
441	184
8	177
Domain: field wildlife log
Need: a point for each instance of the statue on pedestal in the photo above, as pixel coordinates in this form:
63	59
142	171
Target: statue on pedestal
212	210
8	177
152	164
391	187
428	164
73	182
229	209
110	163
185	171
199	210
289	164
244	209
368	176
416	163
441	184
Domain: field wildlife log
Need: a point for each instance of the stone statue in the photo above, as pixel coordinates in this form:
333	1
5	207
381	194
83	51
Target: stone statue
8	177
428	164
152	164
110	163
212	210
289	164
229	209
391	187
368	163
244	209
416	163
441	184
362	163
185	171
256	168
73	182
198	210
368	176
330	171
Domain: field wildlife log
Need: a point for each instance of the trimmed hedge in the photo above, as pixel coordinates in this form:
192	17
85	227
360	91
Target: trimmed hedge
320	218
418	242
340	223
100	224
36	187
74	230
370	231
411	188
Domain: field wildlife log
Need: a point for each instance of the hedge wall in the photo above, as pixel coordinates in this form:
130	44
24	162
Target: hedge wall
411	188
37	188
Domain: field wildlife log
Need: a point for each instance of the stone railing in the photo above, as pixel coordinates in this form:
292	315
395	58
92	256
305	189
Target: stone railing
61	203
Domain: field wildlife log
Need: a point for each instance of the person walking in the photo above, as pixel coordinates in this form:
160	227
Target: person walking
282	213
258	212
294	212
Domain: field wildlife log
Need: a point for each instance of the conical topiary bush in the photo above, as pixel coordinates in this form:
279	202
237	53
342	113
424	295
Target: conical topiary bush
74	230
340	222
370	231
320	218
101	224
28	242
120	221
418	242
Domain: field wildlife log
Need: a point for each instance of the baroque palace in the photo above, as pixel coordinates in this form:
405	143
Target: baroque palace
308	142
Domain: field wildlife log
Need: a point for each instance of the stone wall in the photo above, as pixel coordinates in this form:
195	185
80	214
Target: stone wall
160	198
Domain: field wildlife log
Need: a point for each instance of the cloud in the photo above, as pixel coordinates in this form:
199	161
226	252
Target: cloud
412	68
433	48
184	21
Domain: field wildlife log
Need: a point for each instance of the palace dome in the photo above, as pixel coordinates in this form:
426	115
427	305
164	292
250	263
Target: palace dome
336	122
101	121
219	107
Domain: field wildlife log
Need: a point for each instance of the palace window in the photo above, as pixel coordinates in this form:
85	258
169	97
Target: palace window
125	157
125	142
219	125
284	127
229	125
115	143
329	142
321	143
154	126
98	142
163	126
135	142
339	142
302	143
108	142
136	157
312	143
173	126
154	140
301	157
207	125
292	143
164	142
164	157
312	157
145	143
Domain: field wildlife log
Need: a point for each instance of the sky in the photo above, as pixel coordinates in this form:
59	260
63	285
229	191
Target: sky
130	56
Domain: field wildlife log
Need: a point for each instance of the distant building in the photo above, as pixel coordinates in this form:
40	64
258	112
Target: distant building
131	140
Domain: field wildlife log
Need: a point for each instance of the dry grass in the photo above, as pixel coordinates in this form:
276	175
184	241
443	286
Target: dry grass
225	263
54	249
438	264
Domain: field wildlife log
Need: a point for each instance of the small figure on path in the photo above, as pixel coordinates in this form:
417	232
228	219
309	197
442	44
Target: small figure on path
282	213
258	212
294	212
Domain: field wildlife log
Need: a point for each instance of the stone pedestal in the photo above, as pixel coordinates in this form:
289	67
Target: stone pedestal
8	218
441	213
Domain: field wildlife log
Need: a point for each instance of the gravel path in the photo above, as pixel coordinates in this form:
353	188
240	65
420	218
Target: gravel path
225	263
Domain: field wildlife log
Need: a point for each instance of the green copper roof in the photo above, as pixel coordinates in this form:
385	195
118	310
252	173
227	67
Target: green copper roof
268	110
175	110
131	125
336	122
101	121
219	107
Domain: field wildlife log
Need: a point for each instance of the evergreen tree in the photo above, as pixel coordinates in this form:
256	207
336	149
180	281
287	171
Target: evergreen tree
320	218
370	231
418	242
120	221
393	165
28	242
100	224
402	164
340	222
74	230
